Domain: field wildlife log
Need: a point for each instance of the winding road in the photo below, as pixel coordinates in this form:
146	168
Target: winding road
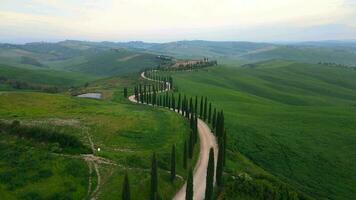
207	140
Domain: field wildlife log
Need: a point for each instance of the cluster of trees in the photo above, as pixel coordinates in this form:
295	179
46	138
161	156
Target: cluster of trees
28	86
45	135
191	66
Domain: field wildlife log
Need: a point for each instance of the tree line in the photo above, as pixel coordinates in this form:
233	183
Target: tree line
28	86
69	143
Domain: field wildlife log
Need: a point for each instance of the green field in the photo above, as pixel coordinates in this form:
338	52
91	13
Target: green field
127	135
296	121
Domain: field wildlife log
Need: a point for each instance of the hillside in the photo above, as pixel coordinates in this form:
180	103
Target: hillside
294	120
110	63
44	77
127	135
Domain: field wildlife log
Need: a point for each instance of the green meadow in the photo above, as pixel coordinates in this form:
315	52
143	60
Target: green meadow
286	122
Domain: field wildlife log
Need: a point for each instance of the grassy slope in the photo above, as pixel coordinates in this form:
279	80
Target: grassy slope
294	120
110	63
45	77
341	55
127	134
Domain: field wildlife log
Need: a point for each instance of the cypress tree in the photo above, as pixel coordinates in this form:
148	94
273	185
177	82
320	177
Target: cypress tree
189	189
185	155
191	109
126	188
154	178
210	177
173	163
191	145
209	113
179	102
173	102
224	139
196	105
201	107
196	129
220	164
214	119
205	108
125	92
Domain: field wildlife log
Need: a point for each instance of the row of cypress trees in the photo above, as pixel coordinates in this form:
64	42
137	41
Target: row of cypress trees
186	107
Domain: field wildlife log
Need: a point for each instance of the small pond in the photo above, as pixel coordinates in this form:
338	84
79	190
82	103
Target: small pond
90	95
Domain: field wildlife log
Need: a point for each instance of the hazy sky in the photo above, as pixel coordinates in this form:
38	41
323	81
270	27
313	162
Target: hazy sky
168	20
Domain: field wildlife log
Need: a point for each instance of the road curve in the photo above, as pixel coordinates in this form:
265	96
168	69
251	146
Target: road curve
207	140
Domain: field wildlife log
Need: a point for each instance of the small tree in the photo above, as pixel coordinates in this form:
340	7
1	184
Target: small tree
210	176
173	163
189	189
126	188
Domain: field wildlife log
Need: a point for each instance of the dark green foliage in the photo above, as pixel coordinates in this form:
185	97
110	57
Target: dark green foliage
126	195
189	190
154	178
210	177
173	163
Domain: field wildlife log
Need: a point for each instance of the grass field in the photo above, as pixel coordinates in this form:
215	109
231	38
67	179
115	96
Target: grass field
127	135
296	121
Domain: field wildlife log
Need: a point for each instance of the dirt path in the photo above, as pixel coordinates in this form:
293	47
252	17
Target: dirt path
207	140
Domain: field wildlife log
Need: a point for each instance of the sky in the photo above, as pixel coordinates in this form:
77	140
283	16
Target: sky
171	20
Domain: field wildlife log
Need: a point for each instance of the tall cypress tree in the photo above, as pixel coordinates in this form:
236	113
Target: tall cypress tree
179	102
191	108
185	155
201	107
154	178
173	102
191	145
209	189
205	109
173	163
214	119
209	113
220	164
196	105
126	195
189	189
224	139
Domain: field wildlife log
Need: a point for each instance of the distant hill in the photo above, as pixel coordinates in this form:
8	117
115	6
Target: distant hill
109	58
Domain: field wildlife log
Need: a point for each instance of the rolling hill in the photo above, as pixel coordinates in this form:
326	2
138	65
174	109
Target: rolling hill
294	120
